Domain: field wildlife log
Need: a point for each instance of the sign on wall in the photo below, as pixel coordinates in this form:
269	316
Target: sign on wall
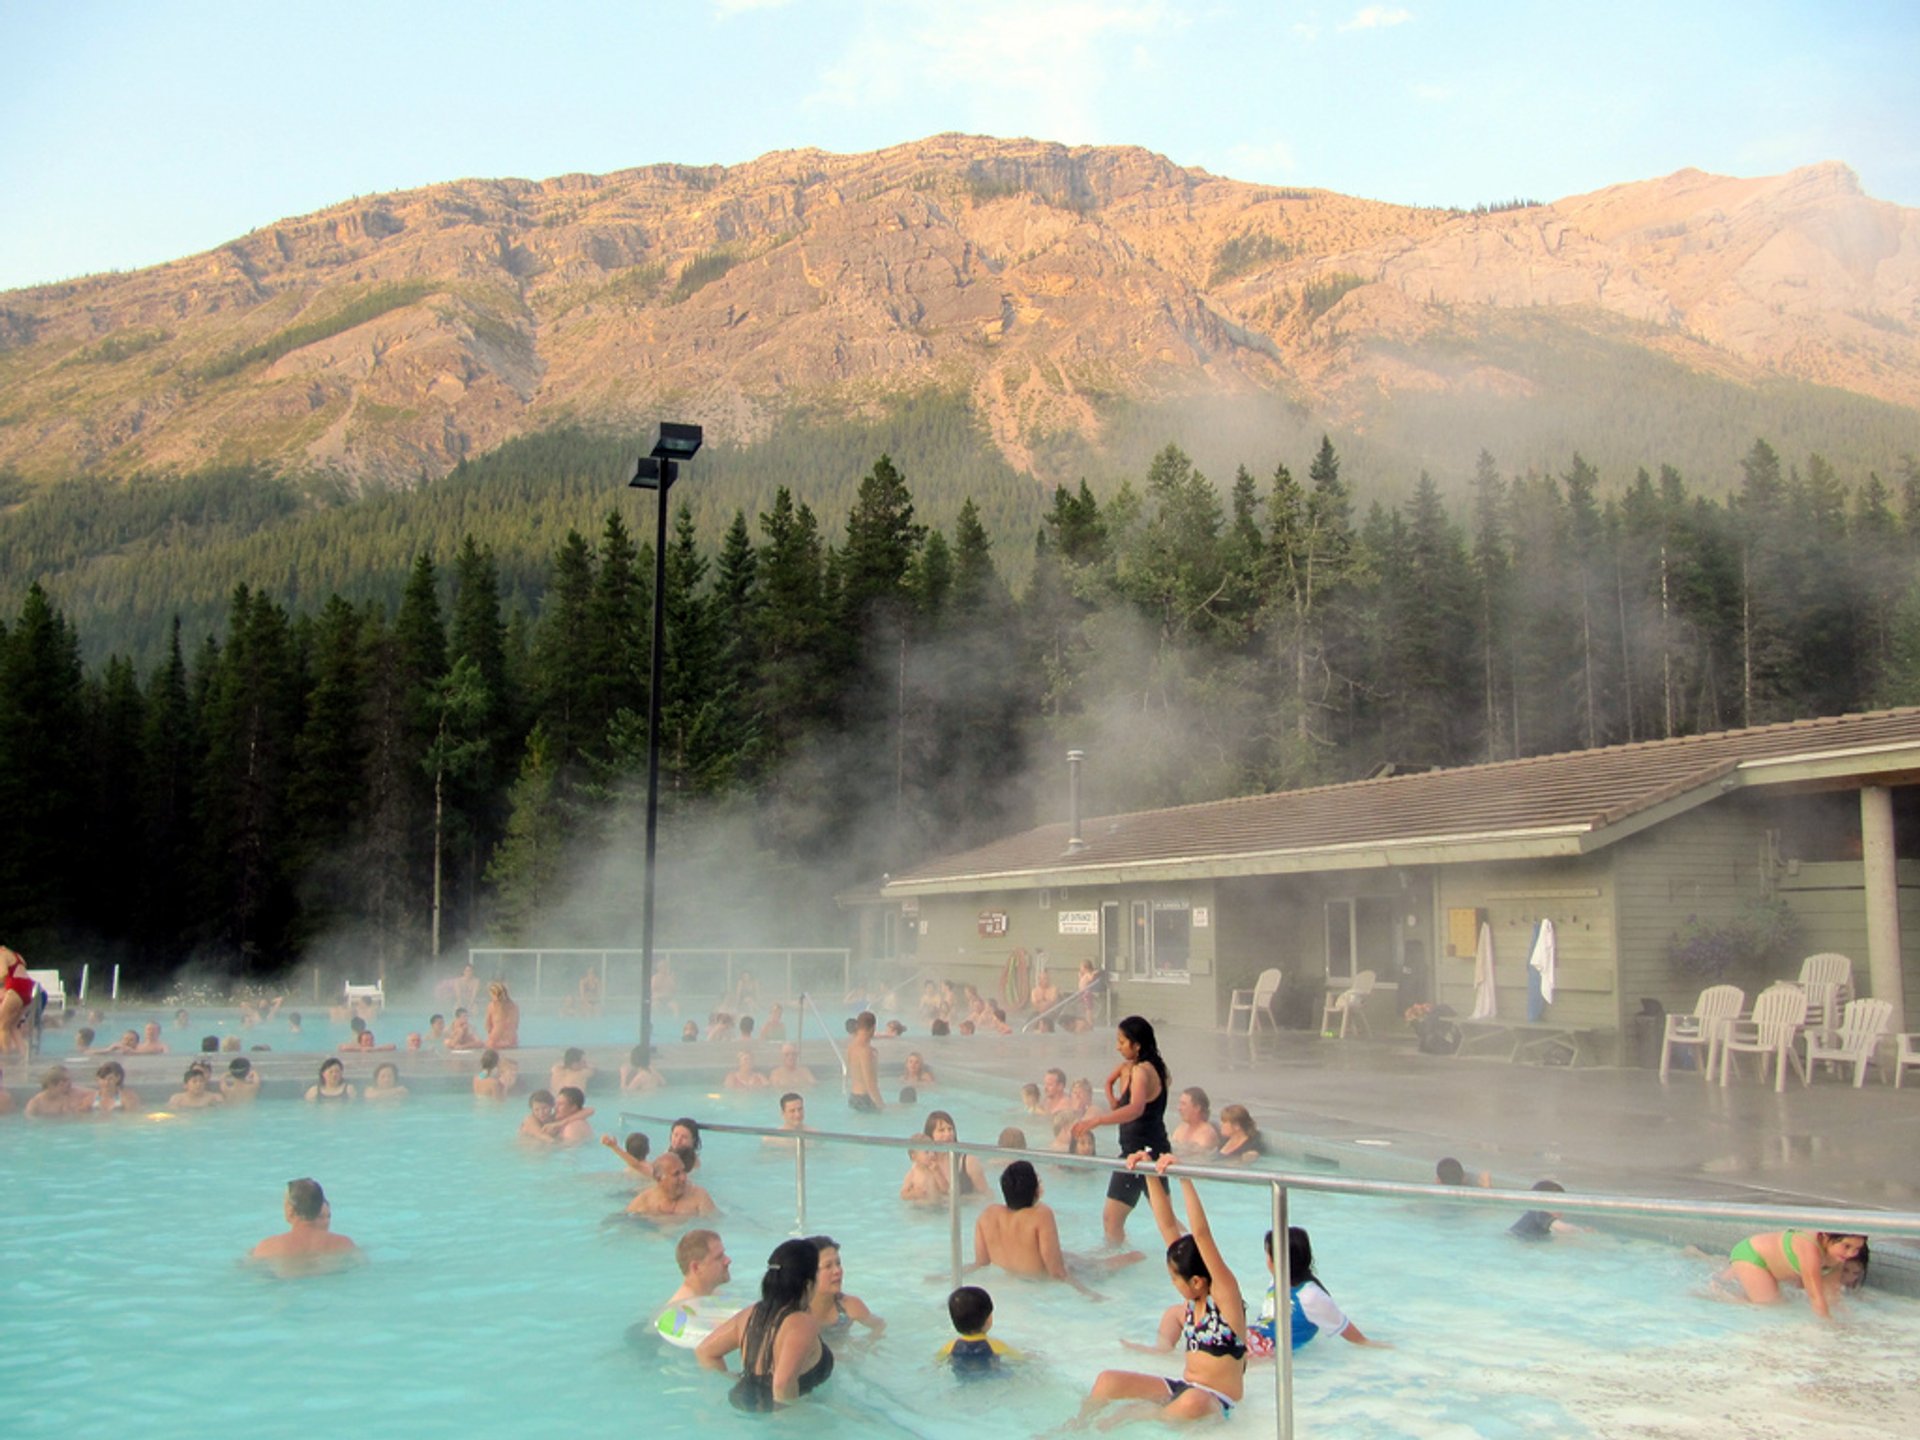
993	922
1079	922
1199	917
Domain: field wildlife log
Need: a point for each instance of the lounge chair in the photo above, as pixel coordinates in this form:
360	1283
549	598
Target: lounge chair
1777	1018
1856	1041
1257	1002
1702	1029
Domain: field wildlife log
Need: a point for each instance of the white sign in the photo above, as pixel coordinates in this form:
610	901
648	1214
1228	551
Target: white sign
1079	922
1199	917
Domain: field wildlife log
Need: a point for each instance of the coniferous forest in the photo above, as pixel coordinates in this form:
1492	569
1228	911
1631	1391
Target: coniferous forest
466	764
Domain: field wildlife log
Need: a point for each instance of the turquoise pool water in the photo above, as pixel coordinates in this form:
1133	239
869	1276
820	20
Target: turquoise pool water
498	1300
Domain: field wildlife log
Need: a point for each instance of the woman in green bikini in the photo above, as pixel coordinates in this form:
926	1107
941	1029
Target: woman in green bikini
1811	1259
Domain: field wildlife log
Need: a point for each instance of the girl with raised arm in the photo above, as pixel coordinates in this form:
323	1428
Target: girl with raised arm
1214	1322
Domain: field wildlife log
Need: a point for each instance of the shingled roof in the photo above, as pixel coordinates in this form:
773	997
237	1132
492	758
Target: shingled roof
1546	805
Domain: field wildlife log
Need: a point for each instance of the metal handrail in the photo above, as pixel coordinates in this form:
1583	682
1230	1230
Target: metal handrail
1279	1183
800	1030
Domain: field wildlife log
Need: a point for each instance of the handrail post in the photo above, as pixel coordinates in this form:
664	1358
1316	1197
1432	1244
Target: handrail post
800	1184
953	1211
1282	1318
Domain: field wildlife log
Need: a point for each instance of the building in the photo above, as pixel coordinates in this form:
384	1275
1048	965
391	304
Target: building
1620	847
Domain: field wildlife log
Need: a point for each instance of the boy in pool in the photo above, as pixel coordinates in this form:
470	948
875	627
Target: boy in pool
972	1352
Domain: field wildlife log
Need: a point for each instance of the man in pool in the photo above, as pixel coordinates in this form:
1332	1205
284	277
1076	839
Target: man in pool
690	1313
309	1242
570	1114
793	1114
790	1074
863	1069
1022	1236
673	1196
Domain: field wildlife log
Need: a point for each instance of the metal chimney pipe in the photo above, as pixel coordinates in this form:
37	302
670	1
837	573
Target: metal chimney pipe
1074	843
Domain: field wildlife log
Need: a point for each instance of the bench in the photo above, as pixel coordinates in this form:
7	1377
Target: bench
1538	1040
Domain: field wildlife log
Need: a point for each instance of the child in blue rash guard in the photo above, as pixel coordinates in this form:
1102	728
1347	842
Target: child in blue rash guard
1313	1310
973	1352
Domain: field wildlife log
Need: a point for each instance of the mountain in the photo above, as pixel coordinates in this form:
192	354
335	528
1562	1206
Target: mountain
1075	297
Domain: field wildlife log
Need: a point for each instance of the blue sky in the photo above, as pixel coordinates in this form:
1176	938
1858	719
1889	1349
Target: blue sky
132	133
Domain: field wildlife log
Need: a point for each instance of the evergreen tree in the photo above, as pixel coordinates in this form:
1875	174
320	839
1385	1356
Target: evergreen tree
167	878
525	871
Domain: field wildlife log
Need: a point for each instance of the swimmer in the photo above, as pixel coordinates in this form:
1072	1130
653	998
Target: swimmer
689	1032
1313	1309
685	1137
790	1074
743	1076
181	1021
386	1083
793	1115
673	1196
915	1072
1054	1098
1239	1136
776	1026
1215	1316
636	1075
863	1070
926	1179
746	1028
972	1351
127	1044
570	1114
1542	1224
241	1083
782	1355
973	1175
719	1025
539	1117
573	1069
461	1036
633	1154
487	1085
466	987
1137	1104
704	1267
437	1030
332	1084
1811	1259
150	1041
1080	1098
1030	1098
590	993
833	1309
293	1022
111	1096
1194	1137
1450	1171
1021	1236
1045	993
503	1018
16	999
309	1242
1012	1138
56	1100
82	1040
196	1095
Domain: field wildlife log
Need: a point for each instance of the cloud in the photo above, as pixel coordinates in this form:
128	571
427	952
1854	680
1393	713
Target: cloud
1272	161
1378	17
1039	67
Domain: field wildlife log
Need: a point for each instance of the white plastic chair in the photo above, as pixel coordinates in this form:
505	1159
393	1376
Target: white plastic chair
1828	980
1350	1005
49	981
376	993
1854	1043
1257	1002
1907	1053
1716	1006
1770	1031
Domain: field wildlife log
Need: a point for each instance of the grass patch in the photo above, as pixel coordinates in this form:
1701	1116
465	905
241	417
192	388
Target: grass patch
370	306
1320	296
1247	252
703	270
115	348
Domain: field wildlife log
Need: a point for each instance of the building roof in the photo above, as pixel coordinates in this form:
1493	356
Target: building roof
1546	805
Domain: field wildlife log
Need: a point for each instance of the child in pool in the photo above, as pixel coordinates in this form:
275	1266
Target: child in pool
972	1352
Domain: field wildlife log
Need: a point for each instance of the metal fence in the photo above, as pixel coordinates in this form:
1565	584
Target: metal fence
1280	1182
699	974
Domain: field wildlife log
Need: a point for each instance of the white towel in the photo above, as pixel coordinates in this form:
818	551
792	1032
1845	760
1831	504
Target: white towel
1542	959
1484	1000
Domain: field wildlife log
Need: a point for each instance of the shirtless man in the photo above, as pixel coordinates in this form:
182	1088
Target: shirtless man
570	1114
704	1267
1053	1092
1044	992
673	1196
790	1074
309	1242
573	1069
1021	1237
466	988
150	1042
863	1069
743	1076
461	1036
793	1115
57	1099
1195	1136
196	1096
241	1084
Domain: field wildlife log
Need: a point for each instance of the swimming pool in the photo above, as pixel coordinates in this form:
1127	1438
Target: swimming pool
499	1301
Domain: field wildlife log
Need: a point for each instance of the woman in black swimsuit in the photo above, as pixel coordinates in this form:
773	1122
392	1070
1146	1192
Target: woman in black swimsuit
1137	1103
973	1175
782	1356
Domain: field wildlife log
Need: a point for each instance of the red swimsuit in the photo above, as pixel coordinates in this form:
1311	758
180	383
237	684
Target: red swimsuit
20	985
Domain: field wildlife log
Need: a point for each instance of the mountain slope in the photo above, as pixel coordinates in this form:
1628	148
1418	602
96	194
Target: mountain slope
388	338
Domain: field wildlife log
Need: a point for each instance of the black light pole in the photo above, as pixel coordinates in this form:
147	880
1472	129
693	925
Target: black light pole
657	472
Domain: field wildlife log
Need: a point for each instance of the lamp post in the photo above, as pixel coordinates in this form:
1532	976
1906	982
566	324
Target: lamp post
657	472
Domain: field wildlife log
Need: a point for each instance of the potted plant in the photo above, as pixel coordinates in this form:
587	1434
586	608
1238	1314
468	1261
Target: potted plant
1752	945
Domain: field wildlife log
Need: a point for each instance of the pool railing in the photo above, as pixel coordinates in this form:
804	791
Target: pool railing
802	1006
804	966
1280	1182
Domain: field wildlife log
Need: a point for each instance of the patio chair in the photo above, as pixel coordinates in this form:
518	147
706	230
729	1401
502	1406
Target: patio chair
1828	980
1770	1031
376	993
1856	1042
1907	1053
49	981
1257	1002
1716	1006
1350	1005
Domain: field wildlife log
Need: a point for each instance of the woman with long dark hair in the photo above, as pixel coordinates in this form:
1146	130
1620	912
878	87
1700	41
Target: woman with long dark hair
1137	1103
782	1356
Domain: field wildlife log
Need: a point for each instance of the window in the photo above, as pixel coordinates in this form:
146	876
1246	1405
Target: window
1172	937
1361	935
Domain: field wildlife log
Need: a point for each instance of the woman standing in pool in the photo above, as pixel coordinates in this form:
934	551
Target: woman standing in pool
16	995
973	1175
782	1356
1137	1103
333	1083
503	1018
833	1309
1215	1320
1811	1259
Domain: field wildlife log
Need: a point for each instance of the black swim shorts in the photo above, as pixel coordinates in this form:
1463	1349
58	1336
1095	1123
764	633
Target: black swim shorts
1126	1186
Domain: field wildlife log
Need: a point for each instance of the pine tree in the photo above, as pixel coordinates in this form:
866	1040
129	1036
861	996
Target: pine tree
526	868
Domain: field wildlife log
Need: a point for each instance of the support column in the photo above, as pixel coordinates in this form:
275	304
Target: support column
1883	899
